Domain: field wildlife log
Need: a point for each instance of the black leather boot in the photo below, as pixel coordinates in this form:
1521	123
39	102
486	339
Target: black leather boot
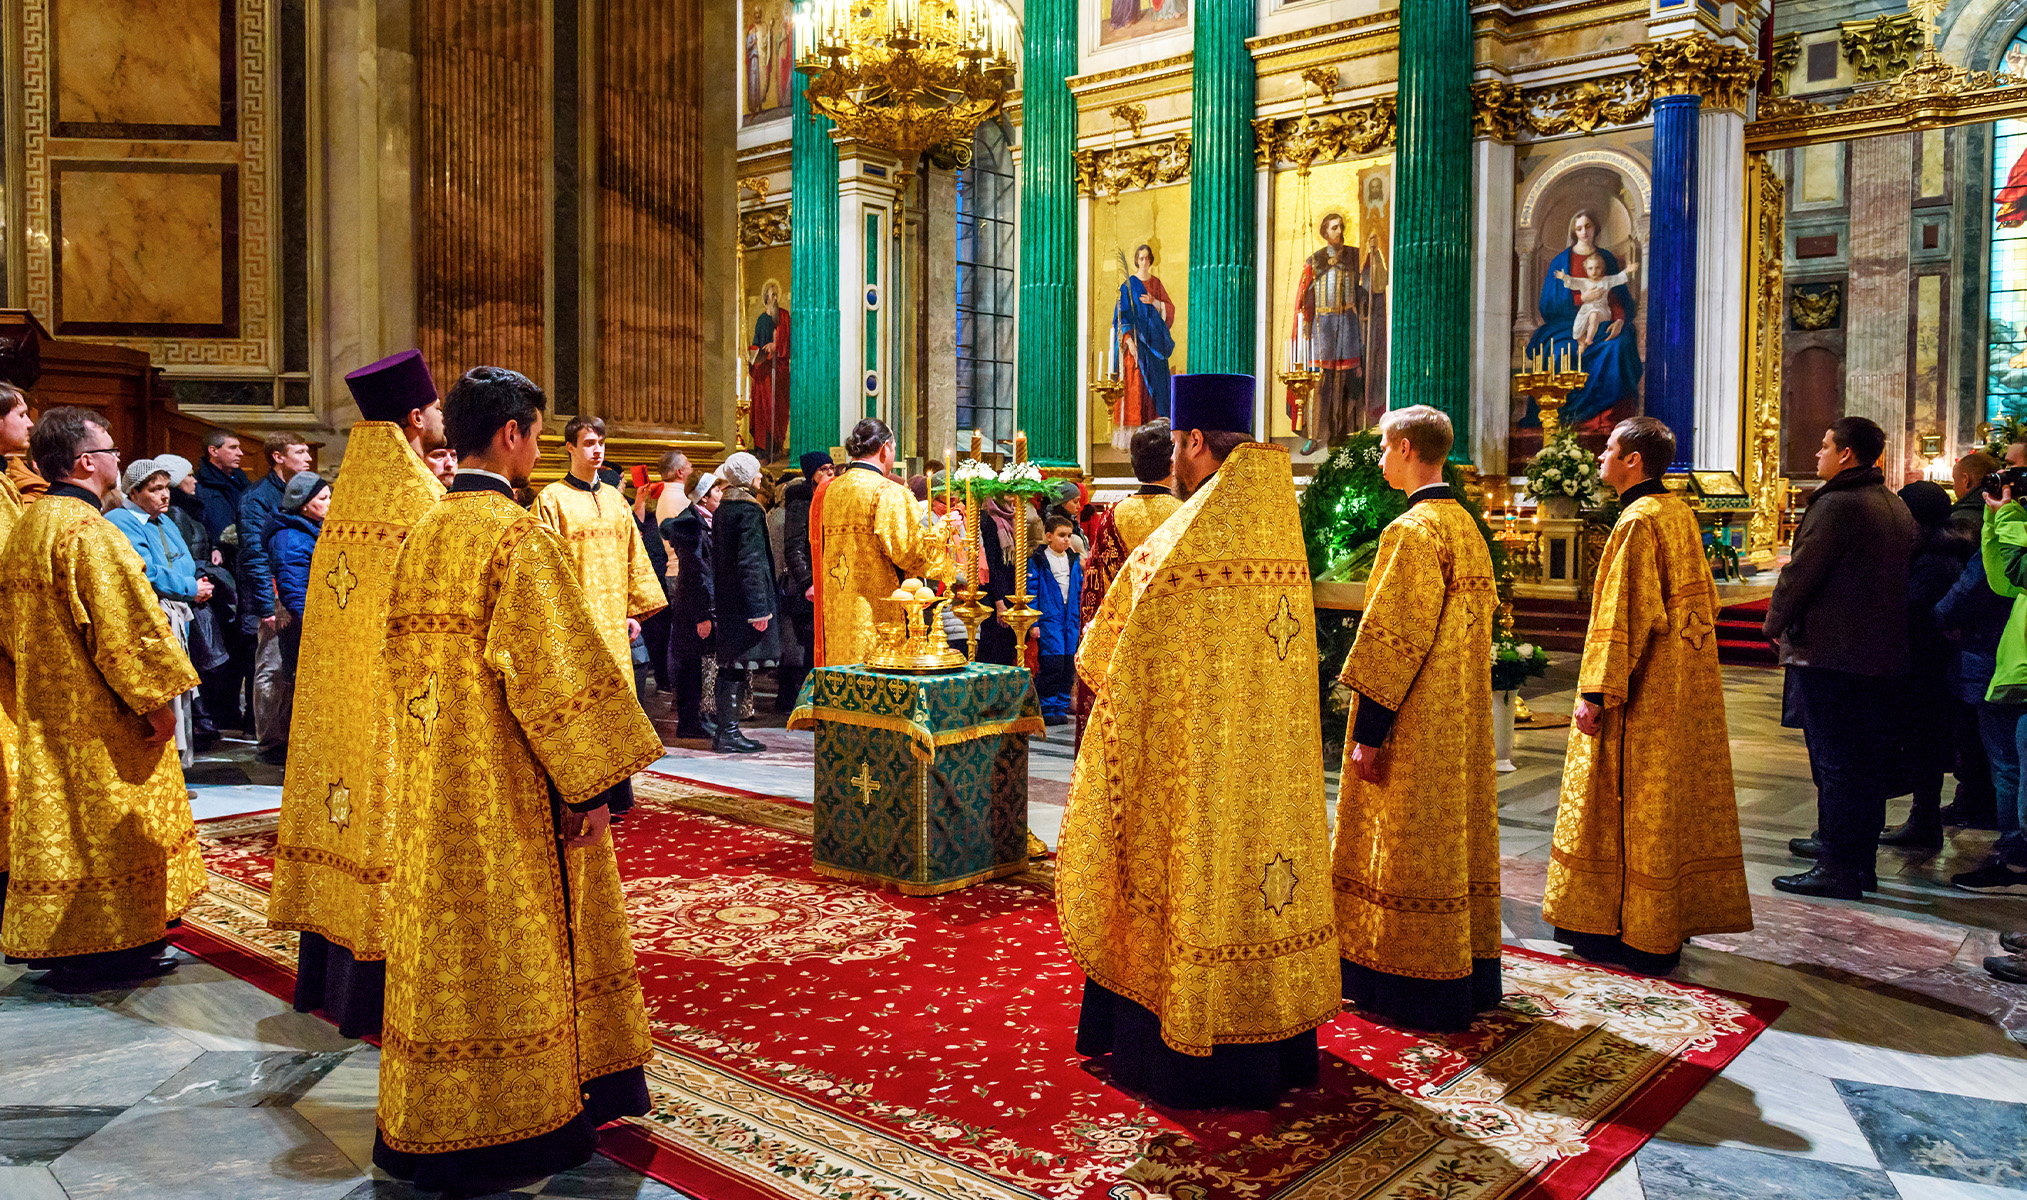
728	739
1917	834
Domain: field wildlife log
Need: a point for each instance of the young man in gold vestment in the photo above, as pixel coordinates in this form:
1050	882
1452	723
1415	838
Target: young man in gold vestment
597	528
104	851
1193	869
514	1025
334	852
1646	837
1416	867
15	424
866	535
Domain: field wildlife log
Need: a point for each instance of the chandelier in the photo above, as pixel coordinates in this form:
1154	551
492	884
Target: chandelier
906	76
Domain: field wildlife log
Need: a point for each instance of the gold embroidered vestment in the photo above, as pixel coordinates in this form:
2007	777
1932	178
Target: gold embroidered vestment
1646	835
866	535
11	510
1416	862
505	990
1193	869
104	851
612	562
1117	535
333	858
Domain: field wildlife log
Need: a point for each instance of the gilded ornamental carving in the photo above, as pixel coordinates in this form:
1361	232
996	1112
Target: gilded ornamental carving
1881	47
763	227
1815	308
1696	66
1110	171
1320	137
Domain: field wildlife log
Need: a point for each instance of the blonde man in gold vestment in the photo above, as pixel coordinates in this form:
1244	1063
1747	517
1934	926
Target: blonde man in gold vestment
15	423
514	1024
1416	864
1646	837
865	535
597	527
334	848
104	850
1193	877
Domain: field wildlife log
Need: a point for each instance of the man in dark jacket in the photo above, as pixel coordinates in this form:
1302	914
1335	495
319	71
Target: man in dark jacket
220	484
1839	613
1973	806
799	578
288	455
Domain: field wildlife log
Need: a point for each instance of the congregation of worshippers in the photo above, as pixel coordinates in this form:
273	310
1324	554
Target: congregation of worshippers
455	672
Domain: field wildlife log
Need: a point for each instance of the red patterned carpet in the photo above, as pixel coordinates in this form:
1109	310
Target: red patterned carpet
819	1039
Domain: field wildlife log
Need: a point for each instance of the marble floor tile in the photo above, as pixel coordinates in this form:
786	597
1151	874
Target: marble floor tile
207	1154
604	1179
68	1050
342	1105
35	1135
1761	1102
29	1183
1669	1171
244	1079
1933	1133
219	1012
1622	1184
1929	1187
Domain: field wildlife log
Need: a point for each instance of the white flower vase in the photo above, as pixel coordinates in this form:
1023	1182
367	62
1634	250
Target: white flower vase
1559	508
1502	731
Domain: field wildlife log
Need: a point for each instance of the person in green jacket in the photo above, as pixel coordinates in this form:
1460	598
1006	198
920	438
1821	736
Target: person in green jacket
2004	549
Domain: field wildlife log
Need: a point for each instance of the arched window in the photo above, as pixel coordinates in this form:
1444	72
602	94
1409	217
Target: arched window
2006	302
985	286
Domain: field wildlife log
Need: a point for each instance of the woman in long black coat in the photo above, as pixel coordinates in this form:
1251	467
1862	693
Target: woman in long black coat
742	573
690	607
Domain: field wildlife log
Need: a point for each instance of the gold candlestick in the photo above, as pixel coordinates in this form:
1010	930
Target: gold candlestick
1020	615
971	613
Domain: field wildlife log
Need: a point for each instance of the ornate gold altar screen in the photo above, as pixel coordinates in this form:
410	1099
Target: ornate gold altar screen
1929	94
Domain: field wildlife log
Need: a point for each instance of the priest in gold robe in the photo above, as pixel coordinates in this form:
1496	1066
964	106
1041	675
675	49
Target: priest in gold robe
104	851
333	852
15	424
1416	862
1646	838
1193	873
514	1024
866	534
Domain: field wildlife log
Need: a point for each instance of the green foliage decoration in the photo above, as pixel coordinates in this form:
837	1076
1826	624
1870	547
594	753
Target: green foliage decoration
1349	502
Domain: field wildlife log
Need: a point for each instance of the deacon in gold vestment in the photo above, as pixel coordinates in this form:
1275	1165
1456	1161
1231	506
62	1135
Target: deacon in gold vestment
1416	864
514	1024
15	423
866	535
597	526
104	851
1193	877
1646	838
333	853
1119	530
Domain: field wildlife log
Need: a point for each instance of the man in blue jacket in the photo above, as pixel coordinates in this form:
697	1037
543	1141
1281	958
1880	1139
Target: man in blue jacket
1057	579
220	483
288	455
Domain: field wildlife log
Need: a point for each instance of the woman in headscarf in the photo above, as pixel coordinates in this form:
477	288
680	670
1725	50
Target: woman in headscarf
171	569
742	574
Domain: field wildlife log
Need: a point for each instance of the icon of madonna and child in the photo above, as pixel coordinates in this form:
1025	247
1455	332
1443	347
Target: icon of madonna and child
1587	313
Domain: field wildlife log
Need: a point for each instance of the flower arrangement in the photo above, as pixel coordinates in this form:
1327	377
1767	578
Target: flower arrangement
1014	479
974	470
1563	468
1514	662
2004	432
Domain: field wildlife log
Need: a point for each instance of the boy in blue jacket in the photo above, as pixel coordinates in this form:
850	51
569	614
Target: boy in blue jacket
1058	582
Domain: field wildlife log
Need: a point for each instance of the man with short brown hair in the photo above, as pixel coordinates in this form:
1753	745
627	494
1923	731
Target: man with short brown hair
288	455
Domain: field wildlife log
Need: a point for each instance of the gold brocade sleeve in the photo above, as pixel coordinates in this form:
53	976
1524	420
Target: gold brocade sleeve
1101	636
575	707
916	551
1626	611
644	595
130	639
1404	602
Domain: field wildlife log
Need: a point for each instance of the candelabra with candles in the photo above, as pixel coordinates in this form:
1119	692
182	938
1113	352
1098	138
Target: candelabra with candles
1548	379
1020	615
970	611
1303	371
1106	385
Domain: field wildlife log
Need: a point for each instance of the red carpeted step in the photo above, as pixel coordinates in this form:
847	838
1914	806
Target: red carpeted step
1739	640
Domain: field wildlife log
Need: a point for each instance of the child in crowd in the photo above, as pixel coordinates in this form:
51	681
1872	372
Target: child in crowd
1058	580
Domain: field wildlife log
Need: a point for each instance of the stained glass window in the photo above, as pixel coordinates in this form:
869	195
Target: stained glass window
2006	326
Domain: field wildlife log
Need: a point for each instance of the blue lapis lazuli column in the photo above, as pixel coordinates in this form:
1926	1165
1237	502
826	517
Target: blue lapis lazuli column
1671	281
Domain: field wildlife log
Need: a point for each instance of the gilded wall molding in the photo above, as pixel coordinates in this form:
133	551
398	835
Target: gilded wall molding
1324	136
1882	47
1929	95
1787	54
763	227
1696	66
1116	169
1506	111
1766	202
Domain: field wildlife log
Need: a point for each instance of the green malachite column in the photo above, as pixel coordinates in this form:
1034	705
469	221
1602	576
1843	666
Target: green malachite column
1047	401
813	281
1432	216
1223	203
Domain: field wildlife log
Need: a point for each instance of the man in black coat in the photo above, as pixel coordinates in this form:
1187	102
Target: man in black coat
220	484
288	455
1839	612
799	579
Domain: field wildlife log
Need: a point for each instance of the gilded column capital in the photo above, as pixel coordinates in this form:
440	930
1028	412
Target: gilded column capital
1497	110
1696	66
1787	52
1266	141
1882	47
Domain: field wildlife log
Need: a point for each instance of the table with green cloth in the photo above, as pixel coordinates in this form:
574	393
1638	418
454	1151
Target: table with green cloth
921	780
